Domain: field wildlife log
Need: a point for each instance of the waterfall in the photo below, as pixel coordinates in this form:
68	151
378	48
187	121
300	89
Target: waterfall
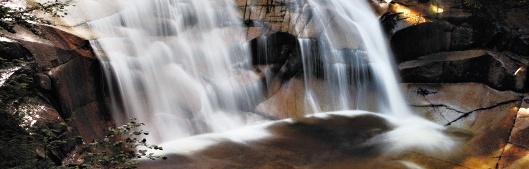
183	66
356	64
180	66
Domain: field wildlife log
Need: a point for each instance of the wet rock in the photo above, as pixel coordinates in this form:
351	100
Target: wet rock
501	71
290	100
318	141
294	17
275	48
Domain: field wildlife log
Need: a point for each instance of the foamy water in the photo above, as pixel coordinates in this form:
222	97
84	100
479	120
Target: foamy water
178	66
183	68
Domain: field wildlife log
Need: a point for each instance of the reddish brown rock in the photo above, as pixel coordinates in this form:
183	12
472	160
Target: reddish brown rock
53	47
78	86
70	76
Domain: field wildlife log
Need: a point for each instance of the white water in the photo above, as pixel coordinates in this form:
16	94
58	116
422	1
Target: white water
181	66
358	67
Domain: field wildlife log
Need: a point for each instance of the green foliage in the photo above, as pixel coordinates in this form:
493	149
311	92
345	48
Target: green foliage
25	16
120	148
19	140
18	144
17	89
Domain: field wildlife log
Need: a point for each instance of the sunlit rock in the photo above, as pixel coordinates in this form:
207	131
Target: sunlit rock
513	157
485	112
520	132
55	47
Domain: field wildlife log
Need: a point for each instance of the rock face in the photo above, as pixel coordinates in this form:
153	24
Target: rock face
501	71
460	69
438	36
468	72
456	28
68	81
487	113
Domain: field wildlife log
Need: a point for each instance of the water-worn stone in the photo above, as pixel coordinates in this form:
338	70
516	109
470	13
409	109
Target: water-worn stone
339	140
446	102
502	71
487	113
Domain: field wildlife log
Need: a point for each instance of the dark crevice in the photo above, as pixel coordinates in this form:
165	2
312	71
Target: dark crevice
499	158
514	120
444	117
509	136
485	108
265	115
439	105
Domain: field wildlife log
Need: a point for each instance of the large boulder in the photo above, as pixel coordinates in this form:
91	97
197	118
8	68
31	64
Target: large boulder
503	71
487	113
67	76
421	39
494	26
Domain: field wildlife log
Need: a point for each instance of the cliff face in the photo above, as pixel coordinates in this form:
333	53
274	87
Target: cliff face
67	86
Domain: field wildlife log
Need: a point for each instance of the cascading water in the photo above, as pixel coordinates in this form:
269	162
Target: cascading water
355	62
181	66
